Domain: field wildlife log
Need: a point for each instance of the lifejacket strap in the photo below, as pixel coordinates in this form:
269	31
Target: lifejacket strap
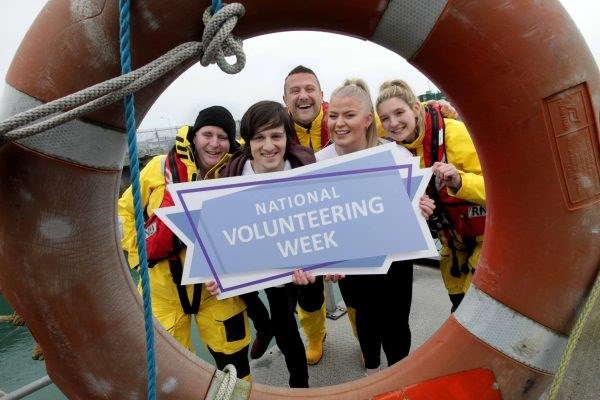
177	273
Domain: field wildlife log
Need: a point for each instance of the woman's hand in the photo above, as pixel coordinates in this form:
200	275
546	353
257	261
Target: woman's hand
302	277
427	205
334	277
448	174
212	287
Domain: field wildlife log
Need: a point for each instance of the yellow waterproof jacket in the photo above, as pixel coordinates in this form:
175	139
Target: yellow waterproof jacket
461	153
213	313
317	135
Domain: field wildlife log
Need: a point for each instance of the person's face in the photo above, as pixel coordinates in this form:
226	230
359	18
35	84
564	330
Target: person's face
303	97
267	147
348	122
399	119
211	144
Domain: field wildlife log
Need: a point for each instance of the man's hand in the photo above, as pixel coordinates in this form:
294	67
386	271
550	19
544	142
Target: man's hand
447	110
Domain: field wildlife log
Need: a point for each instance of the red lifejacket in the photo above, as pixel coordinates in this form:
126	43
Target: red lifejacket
466	218
161	242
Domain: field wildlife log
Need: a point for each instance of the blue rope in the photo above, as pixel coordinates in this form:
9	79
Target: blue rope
216	6
135	185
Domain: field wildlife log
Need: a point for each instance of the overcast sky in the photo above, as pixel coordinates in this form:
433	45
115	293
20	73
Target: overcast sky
269	58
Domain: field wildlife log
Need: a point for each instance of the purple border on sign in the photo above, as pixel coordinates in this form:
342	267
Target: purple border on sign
271	181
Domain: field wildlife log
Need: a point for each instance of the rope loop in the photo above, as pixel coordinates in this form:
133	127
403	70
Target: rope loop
227	385
217	40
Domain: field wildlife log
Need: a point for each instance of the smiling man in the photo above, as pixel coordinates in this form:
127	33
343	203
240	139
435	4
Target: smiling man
303	97
304	100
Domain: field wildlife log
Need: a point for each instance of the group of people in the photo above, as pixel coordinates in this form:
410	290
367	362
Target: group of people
276	138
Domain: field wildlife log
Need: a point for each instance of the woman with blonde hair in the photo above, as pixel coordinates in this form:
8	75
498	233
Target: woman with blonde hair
458	189
352	128
354	108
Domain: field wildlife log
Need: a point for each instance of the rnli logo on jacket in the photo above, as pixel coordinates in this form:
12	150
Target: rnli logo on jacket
335	216
476	211
150	230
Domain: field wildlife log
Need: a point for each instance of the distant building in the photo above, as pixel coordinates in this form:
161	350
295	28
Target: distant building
429	95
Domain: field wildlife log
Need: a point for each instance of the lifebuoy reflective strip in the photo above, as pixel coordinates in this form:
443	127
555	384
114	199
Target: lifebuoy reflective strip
541	252
510	332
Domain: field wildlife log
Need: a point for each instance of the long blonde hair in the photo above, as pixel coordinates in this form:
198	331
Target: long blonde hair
400	89
359	89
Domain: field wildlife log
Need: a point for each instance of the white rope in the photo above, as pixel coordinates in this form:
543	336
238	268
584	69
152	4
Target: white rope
217	43
221	42
227	384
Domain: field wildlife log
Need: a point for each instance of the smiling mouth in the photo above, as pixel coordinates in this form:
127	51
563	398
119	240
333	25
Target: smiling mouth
342	133
398	131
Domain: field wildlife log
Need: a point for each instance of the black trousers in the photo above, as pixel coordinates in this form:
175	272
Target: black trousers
257	312
282	301
311	297
238	359
382	304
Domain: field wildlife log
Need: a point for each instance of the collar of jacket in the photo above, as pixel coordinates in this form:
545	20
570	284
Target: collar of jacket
297	155
415	143
184	152
214	172
316	130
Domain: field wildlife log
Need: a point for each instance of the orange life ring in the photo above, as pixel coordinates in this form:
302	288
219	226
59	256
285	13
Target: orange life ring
531	108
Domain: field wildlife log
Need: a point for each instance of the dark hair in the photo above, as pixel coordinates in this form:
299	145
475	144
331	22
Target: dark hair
301	69
266	114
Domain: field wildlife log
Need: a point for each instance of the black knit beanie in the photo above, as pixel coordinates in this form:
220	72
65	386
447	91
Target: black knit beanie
217	116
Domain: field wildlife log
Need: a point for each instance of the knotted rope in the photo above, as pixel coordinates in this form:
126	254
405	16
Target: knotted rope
217	43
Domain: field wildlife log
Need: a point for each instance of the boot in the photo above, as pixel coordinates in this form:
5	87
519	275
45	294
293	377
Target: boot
261	344
314	351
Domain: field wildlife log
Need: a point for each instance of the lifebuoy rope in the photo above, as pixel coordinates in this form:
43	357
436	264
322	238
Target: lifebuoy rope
219	24
217	44
125	52
221	42
574	338
227	384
